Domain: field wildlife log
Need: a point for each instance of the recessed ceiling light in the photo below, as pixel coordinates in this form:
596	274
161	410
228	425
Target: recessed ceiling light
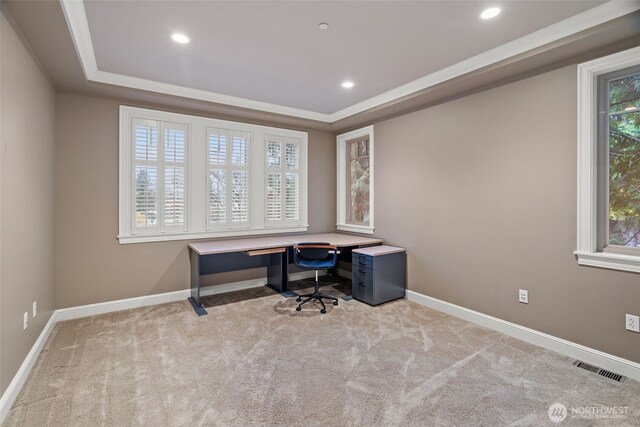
347	85
323	25
492	12
180	38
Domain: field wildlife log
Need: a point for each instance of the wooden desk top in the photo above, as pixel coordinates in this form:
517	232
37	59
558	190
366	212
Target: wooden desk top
254	243
337	239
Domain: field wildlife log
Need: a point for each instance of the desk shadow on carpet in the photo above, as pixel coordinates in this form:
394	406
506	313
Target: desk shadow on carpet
338	287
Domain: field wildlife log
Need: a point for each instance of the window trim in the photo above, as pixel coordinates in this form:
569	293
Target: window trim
587	251
341	168
196	179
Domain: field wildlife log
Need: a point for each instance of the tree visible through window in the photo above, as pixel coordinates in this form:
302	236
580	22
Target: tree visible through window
146	158
624	160
358	180
146	193
608	197
355	179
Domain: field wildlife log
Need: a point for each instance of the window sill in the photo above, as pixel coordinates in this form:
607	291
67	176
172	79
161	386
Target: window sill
609	260
355	228
149	238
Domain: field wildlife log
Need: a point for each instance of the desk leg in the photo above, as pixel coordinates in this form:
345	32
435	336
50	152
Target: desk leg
194	299
278	272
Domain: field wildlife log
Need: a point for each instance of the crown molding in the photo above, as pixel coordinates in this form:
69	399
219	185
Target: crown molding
203	95
76	18
567	27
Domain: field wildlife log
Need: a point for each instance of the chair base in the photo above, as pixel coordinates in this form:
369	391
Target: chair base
316	296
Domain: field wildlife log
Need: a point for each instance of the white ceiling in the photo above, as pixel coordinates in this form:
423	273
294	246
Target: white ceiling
271	56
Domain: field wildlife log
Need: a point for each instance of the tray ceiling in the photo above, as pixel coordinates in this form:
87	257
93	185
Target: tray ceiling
271	56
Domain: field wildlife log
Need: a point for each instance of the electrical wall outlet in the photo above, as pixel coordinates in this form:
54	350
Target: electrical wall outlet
35	309
632	323
523	296
25	320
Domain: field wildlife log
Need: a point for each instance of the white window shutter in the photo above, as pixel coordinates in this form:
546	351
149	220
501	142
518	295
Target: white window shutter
228	167
292	194
159	176
240	142
292	197
145	175
186	177
283	199
174	168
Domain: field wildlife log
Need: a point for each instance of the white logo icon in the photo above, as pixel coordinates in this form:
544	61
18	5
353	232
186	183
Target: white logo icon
557	412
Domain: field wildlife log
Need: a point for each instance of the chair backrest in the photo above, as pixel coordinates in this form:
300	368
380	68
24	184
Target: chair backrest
314	250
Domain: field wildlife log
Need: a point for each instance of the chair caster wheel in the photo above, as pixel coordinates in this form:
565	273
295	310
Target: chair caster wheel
335	303
298	299
323	311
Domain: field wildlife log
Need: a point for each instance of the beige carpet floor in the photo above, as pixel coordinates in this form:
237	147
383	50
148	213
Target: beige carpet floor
254	360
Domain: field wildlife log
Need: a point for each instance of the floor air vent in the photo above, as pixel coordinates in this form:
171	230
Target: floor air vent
600	371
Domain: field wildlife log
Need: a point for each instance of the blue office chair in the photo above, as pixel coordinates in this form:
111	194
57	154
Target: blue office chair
315	256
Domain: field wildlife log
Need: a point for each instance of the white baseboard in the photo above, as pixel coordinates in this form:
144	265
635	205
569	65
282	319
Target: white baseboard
607	361
595	357
147	300
11	393
62	314
118	305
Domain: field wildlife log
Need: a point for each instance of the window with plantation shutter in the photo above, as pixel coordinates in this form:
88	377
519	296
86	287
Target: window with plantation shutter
174	176
146	174
274	180
282	180
292	189
228	170
159	176
188	177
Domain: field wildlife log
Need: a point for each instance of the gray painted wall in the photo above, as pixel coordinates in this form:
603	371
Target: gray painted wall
90	264
482	193
26	219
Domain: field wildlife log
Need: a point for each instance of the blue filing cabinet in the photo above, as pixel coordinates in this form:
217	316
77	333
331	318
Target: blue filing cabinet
378	274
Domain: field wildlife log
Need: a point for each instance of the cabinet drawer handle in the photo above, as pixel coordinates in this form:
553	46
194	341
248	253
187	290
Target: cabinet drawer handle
362	284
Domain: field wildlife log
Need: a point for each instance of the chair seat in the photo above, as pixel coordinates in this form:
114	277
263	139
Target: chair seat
315	264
